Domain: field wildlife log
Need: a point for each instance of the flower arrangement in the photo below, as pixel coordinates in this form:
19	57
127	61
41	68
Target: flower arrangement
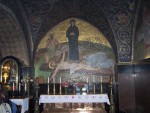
80	84
26	83
65	84
27	80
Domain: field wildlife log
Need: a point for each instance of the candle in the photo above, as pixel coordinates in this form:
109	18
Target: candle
101	79
53	80
19	87
48	80
101	85
87	80
60	80
48	85
13	86
25	87
93	79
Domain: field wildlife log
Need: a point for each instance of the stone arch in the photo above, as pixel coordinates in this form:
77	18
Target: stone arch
90	13
12	37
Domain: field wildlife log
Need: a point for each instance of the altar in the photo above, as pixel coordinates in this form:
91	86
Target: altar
74	103
76	97
90	98
24	102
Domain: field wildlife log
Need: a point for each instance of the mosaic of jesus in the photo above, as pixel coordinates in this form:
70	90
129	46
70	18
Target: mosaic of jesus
74	50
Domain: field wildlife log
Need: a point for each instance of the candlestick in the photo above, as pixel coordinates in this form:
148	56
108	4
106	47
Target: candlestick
54	85
60	87
101	79
101	85
94	89
54	89
54	80
93	79
25	87
48	89
60	80
87	91
48	80
13	86
112	105
13	89
19	87
48	86
87	80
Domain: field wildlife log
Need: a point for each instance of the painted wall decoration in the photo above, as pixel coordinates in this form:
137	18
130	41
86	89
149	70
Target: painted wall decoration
143	36
121	16
112	17
95	58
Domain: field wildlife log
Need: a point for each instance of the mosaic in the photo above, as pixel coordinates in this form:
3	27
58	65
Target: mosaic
143	36
95	54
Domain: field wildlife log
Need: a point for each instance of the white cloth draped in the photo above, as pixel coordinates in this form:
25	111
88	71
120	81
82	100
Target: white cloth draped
24	102
90	98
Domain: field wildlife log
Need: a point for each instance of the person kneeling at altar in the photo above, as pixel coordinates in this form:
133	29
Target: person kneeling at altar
6	106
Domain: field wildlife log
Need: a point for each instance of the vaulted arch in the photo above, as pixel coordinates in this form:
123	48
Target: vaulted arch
12	38
90	13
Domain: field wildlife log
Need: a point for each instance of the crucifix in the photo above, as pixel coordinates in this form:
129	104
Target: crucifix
5	77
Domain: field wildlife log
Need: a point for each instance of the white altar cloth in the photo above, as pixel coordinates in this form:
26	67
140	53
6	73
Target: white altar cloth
90	98
24	102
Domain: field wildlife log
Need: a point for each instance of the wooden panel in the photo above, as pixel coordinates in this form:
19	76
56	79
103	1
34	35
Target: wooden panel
142	90
126	92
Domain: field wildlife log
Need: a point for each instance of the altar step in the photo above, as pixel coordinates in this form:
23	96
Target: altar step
74	111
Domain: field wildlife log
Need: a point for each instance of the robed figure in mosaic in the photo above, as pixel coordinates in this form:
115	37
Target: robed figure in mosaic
72	35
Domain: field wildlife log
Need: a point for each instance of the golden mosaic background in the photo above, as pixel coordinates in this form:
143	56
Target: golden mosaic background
87	32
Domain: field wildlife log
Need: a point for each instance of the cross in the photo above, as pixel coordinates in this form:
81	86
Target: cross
5	77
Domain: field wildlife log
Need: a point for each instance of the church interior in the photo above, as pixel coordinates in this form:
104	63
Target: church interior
76	56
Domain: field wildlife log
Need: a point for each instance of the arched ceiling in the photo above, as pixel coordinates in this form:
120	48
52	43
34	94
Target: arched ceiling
116	19
12	42
90	12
